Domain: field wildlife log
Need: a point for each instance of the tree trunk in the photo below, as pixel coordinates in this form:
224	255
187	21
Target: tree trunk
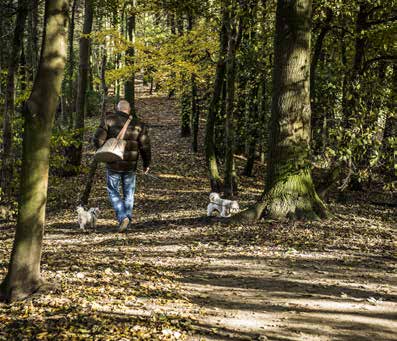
9	107
186	106
74	153
195	116
171	93
23	277
186	99
129	86
33	38
289	190
317	52
253	124
317	117
94	164
70	70
389	145
215	180
350	108
105	88
230	175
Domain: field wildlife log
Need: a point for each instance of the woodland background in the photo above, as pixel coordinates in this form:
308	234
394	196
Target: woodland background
287	106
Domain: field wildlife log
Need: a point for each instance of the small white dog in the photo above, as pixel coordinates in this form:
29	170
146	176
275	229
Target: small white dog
225	207
87	218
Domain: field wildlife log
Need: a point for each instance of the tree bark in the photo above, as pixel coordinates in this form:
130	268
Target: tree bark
195	115
129	86
33	37
75	153
389	145
317	52
230	177
186	98
350	107
186	106
213	110
253	124
23	277
317	117
289	190
94	164
70	70
9	107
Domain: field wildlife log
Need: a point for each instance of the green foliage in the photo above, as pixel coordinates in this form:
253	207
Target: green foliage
60	141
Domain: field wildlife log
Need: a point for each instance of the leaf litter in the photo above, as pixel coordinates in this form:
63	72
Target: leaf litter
177	275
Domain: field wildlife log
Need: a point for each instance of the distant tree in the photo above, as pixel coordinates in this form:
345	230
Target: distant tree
214	106
129	86
9	110
75	152
234	38
24	277
69	79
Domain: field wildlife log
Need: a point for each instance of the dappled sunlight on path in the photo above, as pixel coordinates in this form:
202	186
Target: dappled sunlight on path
177	274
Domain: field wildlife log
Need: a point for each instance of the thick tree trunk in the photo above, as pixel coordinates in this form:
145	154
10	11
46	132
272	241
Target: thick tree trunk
210	153
75	153
23	277
129	86
9	107
289	190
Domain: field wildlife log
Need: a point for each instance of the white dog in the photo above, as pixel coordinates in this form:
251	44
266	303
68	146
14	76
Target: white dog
87	218
225	207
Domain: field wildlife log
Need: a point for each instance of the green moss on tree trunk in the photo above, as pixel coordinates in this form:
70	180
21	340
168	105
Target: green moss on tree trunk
289	190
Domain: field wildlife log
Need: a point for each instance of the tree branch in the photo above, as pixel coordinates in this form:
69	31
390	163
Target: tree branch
381	21
336	27
368	63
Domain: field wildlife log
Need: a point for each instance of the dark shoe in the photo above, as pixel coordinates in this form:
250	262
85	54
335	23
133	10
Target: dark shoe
124	224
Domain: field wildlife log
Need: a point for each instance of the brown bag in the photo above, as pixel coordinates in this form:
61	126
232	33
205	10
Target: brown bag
113	149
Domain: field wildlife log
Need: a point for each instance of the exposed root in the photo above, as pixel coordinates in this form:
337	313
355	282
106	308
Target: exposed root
12	293
294	199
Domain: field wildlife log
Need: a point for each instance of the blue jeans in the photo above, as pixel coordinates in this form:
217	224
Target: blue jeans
122	206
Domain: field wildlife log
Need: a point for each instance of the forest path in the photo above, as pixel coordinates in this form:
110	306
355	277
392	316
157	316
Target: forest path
177	275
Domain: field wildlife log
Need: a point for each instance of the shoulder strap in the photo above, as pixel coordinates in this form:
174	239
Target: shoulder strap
122	132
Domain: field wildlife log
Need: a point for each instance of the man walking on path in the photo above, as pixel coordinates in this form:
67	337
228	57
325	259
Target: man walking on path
124	172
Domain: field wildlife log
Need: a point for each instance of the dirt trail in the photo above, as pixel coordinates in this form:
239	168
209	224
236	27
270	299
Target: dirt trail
175	272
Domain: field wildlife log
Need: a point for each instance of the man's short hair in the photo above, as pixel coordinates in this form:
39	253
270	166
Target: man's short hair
123	105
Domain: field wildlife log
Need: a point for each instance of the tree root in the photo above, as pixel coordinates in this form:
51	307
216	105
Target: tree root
290	205
11	294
